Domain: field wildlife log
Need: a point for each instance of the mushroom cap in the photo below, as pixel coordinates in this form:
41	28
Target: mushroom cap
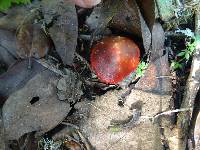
114	58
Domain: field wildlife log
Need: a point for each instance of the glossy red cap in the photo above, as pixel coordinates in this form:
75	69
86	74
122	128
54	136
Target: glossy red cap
114	58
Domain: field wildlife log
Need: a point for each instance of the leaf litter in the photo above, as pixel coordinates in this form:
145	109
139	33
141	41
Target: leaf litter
44	87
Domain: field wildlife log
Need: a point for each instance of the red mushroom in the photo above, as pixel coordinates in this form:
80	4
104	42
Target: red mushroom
114	58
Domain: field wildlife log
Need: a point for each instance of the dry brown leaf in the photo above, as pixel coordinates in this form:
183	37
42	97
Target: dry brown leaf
16	77
103	14
157	76
33	104
32	41
148	11
64	30
13	18
123	16
158	39
35	107
7	47
72	145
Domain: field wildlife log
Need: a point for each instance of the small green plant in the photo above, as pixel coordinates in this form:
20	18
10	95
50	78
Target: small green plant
5	4
114	129
141	69
185	54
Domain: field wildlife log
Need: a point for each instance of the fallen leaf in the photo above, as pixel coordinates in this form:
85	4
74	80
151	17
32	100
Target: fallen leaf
34	107
156	77
123	16
69	88
16	77
158	39
32	41
148	11
103	14
7	47
13	18
64	30
33	97
72	145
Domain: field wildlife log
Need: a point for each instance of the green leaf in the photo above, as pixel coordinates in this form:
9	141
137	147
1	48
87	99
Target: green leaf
141	69
5	4
21	1
172	64
181	54
176	65
115	129
187	56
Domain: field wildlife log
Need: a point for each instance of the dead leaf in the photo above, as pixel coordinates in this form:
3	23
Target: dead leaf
32	41
16	77
72	145
158	39
64	30
157	76
148	11
35	107
69	88
123	16
7	47
13	18
37	43
103	14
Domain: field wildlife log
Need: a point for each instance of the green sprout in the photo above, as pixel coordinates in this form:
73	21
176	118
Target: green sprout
141	69
185	54
114	129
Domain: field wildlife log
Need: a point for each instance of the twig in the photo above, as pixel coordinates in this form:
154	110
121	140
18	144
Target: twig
191	89
171	111
71	125
84	140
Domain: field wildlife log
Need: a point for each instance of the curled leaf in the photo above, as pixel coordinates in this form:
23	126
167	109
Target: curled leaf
7	48
181	54
16	77
13	18
123	16
64	30
32	41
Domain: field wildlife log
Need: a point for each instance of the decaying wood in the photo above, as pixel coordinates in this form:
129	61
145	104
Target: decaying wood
191	89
